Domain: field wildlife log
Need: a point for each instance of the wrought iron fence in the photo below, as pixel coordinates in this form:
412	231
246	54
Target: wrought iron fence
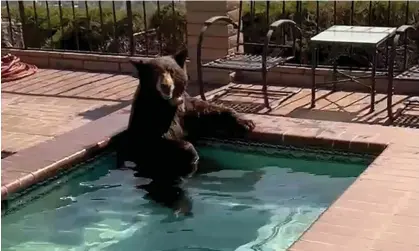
146	28
156	27
316	16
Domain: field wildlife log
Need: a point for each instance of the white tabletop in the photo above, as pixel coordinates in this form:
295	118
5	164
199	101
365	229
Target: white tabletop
354	34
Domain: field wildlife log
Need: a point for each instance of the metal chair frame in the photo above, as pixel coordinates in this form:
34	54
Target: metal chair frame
401	31
245	61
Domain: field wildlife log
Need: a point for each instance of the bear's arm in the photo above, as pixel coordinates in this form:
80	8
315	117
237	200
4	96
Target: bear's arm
195	107
204	119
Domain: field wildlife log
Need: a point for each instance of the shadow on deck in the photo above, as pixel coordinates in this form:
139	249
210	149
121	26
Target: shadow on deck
341	106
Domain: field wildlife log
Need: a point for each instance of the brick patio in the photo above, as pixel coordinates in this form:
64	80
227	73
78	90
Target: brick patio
52	102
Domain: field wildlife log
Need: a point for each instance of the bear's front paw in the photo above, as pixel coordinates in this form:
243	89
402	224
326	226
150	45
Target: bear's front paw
248	124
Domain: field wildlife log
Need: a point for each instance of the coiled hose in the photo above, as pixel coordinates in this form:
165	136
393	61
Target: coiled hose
13	69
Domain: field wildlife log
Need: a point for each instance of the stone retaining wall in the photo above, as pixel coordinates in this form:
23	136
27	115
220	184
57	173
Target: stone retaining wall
284	75
74	61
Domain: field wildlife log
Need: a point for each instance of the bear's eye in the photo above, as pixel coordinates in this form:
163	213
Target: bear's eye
171	71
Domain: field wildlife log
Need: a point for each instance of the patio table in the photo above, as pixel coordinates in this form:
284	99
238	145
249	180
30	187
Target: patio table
366	37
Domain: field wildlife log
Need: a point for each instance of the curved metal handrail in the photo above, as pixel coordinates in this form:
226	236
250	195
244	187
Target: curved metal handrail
401	31
274	27
208	23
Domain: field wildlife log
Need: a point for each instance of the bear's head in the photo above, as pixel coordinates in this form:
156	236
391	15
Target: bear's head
164	76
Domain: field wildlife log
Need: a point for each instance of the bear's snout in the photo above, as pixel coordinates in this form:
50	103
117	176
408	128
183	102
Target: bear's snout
166	86
166	90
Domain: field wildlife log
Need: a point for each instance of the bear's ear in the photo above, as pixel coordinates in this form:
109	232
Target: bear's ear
139	65
180	57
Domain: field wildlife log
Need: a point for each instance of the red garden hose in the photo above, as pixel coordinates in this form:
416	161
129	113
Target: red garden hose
13	69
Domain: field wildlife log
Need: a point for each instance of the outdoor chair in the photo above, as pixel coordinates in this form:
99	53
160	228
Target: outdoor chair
269	58
405	71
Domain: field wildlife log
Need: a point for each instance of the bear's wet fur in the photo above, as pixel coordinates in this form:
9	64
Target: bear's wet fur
165	121
171	196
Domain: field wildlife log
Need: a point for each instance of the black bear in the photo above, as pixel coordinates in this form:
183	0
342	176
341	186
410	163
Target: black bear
164	120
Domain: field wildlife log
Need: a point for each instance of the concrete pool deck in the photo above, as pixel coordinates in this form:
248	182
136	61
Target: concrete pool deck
379	211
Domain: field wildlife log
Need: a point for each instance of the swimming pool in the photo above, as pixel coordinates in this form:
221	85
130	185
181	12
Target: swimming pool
252	197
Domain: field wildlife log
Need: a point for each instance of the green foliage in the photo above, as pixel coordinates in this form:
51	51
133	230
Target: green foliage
51	30
343	12
89	30
171	24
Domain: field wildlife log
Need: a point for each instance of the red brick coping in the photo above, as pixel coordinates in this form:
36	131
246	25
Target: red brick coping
370	214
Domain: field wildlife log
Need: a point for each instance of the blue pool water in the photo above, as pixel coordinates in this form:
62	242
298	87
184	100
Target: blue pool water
253	199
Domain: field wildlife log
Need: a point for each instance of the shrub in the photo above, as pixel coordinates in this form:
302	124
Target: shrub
171	25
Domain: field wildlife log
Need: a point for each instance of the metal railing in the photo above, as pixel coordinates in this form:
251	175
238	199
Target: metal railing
146	28
315	16
155	27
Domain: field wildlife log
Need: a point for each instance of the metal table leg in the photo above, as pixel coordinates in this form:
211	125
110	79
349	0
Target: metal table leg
373	73
313	76
390	87
335	56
